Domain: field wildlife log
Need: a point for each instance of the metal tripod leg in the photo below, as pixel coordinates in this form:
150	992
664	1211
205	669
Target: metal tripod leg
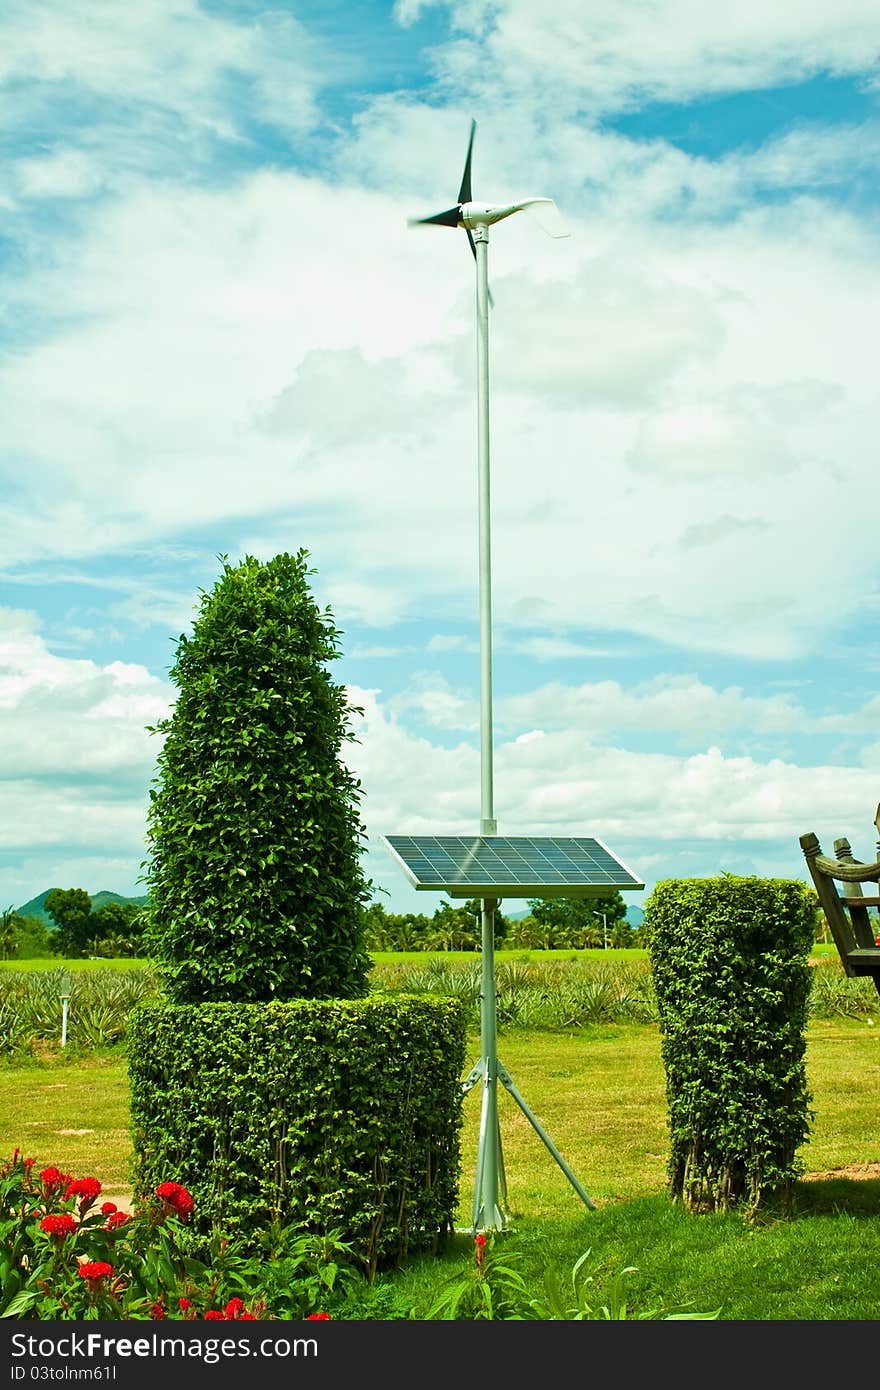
490	1182
497	1218
504	1078
490	1189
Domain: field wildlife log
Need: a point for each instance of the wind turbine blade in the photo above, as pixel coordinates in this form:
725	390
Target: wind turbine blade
548	216
449	218
464	193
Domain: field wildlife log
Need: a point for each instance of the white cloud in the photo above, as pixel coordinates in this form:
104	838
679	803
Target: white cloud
206	341
374	652
68	173
430	697
615	331
77	763
451	642
680	705
189	325
555	648
856	721
676	704
172	59
665	815
606	56
71	723
409	783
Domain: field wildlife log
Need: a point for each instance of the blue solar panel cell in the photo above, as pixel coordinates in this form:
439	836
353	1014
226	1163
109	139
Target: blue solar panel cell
509	866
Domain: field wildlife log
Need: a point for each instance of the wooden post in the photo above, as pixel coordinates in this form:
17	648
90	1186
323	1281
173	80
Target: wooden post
829	901
858	916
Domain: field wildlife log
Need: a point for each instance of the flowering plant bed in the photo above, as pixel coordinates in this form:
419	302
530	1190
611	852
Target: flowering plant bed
66	1254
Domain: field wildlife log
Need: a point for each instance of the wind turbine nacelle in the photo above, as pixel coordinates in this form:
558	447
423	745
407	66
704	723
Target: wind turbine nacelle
475	215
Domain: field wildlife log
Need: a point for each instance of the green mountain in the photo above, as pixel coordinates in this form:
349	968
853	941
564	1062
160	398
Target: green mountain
36	907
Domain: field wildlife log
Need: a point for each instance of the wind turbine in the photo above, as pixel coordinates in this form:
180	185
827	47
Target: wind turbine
476	219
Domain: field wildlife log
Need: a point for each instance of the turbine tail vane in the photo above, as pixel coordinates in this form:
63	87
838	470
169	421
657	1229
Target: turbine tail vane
548	216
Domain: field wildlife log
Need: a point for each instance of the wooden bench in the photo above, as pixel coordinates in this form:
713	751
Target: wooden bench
846	912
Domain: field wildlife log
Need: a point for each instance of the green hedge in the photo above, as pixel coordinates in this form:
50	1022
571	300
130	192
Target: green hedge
344	1115
730	965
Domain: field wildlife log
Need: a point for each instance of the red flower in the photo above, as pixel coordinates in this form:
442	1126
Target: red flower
116	1218
63	1225
480	1243
52	1179
234	1308
214	1315
175	1198
96	1271
246	1317
157	1312
86	1189
314	1317
183	1304
108	1208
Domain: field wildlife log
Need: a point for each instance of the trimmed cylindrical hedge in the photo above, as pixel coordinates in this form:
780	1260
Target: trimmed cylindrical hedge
255	882
344	1115
729	958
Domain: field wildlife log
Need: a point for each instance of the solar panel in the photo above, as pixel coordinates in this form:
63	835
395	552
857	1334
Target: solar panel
520	866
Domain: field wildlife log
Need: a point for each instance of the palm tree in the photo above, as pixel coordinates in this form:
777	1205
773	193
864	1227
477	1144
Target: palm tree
8	932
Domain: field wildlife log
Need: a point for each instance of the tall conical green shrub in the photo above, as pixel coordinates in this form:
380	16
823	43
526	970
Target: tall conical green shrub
254	832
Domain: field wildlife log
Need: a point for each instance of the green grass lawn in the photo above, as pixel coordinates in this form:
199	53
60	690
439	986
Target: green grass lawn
599	1094
598	1091
820	951
380	957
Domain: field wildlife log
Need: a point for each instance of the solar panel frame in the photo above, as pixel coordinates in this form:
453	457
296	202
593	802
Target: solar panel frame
505	866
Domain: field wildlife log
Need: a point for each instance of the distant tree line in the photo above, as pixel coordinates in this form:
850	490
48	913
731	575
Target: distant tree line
113	929
117	929
22	937
551	924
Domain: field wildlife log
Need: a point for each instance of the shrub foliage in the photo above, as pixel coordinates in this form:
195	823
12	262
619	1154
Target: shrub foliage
254	833
730	966
339	1114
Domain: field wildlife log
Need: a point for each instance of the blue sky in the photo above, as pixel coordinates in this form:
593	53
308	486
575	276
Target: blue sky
219	335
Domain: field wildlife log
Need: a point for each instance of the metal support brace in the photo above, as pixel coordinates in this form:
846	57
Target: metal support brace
490	1185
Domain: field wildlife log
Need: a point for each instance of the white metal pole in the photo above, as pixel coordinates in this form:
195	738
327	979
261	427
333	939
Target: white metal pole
487	812
487	1214
65	1008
